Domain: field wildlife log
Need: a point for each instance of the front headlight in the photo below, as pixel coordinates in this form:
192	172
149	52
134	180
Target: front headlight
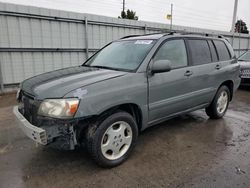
59	108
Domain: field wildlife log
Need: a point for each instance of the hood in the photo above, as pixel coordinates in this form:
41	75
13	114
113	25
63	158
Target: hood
244	64
57	84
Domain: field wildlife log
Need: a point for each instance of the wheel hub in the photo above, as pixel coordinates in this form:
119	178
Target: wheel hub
222	102
116	140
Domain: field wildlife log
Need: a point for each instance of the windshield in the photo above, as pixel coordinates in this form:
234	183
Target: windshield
121	55
245	57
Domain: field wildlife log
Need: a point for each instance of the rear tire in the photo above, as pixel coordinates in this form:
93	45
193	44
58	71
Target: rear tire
219	105
111	142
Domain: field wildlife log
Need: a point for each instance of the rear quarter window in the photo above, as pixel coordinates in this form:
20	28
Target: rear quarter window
222	50
213	51
199	51
230	48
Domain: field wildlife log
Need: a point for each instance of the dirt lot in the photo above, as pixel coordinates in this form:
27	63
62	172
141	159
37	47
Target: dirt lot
188	151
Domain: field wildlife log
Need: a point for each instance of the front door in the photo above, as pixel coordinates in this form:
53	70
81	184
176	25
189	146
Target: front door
169	92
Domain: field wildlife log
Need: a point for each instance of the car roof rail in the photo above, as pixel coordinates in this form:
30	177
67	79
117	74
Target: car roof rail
194	33
163	33
203	34
128	36
179	32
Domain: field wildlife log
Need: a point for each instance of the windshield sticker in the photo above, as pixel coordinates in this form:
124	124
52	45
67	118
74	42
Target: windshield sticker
143	42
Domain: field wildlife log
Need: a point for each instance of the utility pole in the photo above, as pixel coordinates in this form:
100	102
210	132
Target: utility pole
234	15
123	5
239	38
171	21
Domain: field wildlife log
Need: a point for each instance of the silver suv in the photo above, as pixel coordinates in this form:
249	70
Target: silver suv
127	86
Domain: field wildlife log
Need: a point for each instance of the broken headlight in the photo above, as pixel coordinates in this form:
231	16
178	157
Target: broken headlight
59	108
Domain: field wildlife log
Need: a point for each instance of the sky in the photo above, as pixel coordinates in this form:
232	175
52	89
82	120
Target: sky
209	14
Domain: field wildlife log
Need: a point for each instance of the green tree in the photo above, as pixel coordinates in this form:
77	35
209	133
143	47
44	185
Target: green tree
130	14
241	27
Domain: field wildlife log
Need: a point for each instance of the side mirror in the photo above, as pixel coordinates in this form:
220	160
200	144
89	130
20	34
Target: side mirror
161	66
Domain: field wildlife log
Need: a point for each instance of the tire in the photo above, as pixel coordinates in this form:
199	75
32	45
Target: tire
218	107
110	142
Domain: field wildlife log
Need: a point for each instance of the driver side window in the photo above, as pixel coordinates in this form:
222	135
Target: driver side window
174	51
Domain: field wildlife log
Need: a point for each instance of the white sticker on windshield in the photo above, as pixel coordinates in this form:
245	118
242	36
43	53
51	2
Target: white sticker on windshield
143	42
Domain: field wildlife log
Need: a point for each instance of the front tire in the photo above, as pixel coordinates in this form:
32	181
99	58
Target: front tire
111	142
219	105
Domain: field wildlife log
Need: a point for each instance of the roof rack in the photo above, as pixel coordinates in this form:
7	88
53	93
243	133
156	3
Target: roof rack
170	33
203	34
128	36
164	33
177	32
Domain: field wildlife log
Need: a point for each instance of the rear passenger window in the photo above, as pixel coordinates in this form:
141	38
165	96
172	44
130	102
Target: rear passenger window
222	50
174	51
200	52
213	51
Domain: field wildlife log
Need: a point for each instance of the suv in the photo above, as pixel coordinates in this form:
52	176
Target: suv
244	61
127	86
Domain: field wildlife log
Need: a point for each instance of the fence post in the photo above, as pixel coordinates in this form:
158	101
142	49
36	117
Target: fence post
248	46
239	45
233	40
1	79
86	37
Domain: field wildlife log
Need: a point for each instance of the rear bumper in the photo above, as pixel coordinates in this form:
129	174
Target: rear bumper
35	133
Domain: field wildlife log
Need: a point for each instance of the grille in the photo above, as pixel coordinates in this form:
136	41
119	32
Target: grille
30	109
245	73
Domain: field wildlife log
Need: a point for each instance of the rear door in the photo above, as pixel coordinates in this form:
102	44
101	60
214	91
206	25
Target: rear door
223	69
203	60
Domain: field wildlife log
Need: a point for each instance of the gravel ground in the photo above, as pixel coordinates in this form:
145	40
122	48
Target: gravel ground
188	151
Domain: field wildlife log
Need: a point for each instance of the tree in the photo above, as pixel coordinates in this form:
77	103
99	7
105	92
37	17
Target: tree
241	27
129	15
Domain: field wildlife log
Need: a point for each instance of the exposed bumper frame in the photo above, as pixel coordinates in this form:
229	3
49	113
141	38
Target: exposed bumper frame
35	133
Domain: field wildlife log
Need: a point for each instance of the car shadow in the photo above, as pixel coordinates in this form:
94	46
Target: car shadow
179	134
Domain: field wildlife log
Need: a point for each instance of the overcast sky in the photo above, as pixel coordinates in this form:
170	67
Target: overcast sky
211	14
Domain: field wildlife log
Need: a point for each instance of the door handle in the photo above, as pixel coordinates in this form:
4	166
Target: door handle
218	66
188	73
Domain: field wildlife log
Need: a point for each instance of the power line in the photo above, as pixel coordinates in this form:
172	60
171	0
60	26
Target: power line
201	22
185	12
188	8
182	13
201	15
203	19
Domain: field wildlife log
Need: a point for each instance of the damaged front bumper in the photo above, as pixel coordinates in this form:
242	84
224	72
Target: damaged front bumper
60	135
35	133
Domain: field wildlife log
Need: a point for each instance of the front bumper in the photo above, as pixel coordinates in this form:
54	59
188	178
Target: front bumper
35	133
54	133
245	82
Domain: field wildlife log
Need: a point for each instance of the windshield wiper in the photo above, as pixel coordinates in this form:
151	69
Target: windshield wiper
242	60
111	68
